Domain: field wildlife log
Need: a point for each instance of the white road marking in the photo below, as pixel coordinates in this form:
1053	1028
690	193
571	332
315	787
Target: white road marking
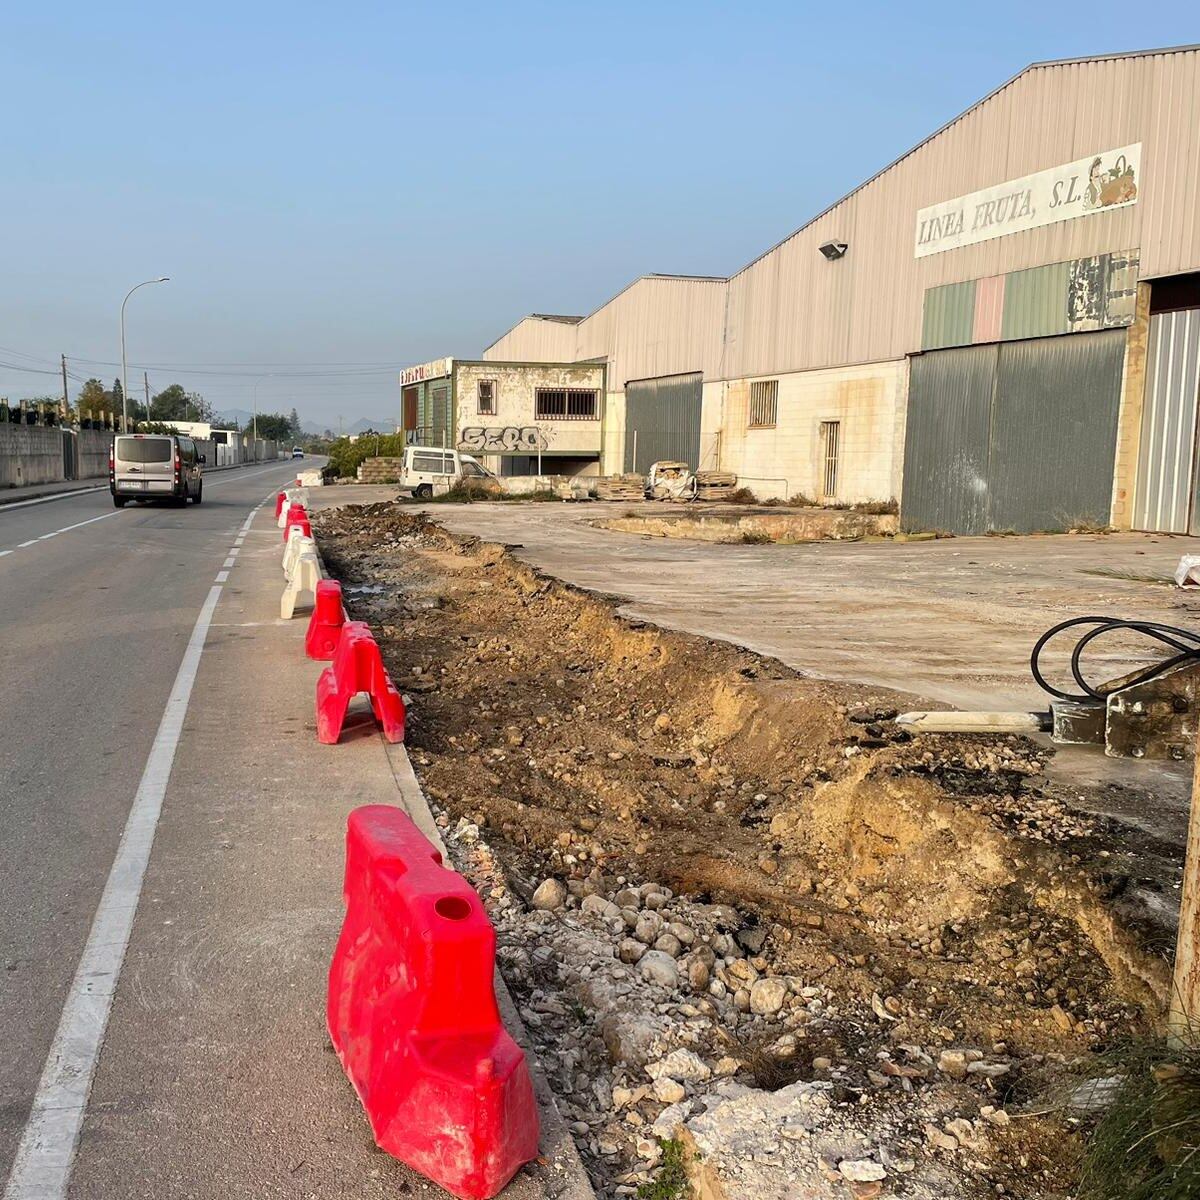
230	561
87	491
45	1156
4	552
222	576
31	542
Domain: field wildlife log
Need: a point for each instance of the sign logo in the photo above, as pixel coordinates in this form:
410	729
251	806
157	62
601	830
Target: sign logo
1097	183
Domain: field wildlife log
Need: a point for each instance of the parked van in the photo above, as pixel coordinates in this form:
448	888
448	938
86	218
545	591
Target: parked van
429	471
154	466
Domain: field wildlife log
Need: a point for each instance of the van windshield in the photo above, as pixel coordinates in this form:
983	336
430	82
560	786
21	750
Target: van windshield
143	450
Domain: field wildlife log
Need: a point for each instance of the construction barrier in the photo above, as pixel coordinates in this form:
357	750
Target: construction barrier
412	1013
281	501
325	624
297	542
357	666
301	587
296	515
291	495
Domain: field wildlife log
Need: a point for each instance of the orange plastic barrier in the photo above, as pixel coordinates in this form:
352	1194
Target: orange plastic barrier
297	515
357	666
280	500
412	1013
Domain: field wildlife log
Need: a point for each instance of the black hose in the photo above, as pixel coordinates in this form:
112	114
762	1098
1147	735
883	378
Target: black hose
1184	641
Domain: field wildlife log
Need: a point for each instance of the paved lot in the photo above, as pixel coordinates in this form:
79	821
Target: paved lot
215	1079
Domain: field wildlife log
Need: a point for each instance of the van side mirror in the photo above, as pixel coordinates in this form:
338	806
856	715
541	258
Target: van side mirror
203	458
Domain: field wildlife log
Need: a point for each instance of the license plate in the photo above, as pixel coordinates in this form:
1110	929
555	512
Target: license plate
135	485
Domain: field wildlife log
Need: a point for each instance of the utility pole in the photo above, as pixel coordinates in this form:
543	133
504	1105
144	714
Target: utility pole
1184	1018
146	385
66	401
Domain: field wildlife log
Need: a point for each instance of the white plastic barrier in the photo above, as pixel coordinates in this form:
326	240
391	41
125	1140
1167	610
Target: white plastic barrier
292	495
302	582
310	479
294	547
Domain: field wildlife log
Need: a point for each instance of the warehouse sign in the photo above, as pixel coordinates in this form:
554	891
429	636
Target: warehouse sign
1097	183
437	369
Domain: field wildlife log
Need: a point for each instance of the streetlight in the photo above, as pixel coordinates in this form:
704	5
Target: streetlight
124	380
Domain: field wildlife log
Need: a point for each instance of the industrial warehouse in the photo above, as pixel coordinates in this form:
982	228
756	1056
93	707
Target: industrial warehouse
1018	292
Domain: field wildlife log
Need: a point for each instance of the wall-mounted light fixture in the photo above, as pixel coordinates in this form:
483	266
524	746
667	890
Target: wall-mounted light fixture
834	250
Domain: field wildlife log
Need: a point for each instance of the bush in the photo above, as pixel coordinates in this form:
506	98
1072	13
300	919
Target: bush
742	495
345	456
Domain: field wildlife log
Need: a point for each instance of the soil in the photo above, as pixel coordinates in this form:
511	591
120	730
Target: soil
941	880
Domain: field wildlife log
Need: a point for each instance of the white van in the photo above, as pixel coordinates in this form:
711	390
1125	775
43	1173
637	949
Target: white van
430	471
154	466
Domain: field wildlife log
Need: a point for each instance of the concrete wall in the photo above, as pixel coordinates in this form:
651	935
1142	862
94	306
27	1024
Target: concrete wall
30	454
516	387
92	446
868	400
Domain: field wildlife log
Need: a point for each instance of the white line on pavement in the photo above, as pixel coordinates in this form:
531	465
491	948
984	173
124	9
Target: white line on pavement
87	491
45	1157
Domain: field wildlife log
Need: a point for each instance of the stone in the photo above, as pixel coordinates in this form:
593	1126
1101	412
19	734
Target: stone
669	1120
698	974
656	967
861	1170
752	939
685	934
938	1139
549	895
668	943
988	1070
821	1063
767	996
953	1063
680	1064
628	898
648	928
632	1040
630	950
668	1090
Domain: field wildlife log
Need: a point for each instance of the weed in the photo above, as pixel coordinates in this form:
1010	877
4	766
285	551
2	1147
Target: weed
802	500
1147	1144
742	495
877	508
755	537
1132	576
672	1181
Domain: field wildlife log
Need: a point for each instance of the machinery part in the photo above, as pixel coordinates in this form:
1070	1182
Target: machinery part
975	722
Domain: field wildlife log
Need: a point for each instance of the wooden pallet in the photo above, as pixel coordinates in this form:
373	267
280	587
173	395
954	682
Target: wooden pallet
621	487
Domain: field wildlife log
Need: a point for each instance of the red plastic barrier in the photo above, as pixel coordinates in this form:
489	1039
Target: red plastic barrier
325	624
412	1013
280	501
297	515
357	667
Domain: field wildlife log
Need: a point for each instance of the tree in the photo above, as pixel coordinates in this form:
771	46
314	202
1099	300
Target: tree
171	404
294	422
118	395
93	398
274	427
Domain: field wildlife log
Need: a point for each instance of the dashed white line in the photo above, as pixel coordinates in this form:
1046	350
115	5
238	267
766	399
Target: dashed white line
222	576
31	542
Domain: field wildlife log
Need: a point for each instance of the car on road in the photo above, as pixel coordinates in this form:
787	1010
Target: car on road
155	466
297	452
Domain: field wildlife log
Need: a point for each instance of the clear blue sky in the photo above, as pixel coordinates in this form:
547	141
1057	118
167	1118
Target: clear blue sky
351	187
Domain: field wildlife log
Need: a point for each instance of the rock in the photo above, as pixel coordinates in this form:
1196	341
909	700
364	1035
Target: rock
767	996
697	973
680	1064
657	967
669	1090
861	1170
648	928
768	863
988	1070
685	934
668	943
669	1120
549	895
628	898
631	1040
939	1140
662	722
630	950
1062	1018
994	1116
953	1063
605	910
752	939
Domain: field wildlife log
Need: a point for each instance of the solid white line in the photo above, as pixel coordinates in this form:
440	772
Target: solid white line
45	1157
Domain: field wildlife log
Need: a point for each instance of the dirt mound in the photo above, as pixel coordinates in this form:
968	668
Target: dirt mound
939	879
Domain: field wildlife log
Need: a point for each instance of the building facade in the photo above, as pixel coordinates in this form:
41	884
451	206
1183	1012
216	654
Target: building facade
518	418
1001	329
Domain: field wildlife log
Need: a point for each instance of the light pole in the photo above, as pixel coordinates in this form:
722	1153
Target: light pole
124	381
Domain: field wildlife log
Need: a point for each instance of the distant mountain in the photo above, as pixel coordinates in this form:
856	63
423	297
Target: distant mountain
373	424
312	428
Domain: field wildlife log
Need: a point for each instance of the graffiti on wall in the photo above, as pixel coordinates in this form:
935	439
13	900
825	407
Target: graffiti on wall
505	439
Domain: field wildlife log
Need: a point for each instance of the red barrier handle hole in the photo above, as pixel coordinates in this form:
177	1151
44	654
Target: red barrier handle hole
453	908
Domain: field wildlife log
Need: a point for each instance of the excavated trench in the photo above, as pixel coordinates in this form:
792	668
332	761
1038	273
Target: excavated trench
937	890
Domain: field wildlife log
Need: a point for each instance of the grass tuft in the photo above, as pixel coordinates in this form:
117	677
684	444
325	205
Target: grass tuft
1147	1144
671	1182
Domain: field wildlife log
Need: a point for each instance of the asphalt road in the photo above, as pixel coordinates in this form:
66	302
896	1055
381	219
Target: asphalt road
96	608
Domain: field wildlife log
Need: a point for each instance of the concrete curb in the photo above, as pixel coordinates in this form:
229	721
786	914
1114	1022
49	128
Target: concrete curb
566	1177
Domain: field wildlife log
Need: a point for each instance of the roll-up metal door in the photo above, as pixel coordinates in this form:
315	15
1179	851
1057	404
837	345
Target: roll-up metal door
1054	431
1016	436
946	440
662	421
1167	477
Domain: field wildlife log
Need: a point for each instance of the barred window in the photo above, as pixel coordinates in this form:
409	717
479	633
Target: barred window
566	404
764	403
486	392
831	437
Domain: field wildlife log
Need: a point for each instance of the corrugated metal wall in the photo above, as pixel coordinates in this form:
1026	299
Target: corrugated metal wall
1166	490
662	421
536	339
1013	436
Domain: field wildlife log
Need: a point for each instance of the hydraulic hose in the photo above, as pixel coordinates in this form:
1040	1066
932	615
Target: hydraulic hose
1185	642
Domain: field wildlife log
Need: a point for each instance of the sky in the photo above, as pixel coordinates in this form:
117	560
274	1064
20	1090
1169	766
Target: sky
339	190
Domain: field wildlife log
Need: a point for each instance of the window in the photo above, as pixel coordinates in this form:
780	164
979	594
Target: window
430	464
566	404
143	449
486	391
473	470
831	435
764	403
